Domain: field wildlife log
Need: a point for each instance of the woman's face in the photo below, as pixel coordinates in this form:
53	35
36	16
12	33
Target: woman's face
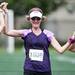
35	21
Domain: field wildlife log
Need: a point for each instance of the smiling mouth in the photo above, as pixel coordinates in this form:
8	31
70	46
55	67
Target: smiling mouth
35	22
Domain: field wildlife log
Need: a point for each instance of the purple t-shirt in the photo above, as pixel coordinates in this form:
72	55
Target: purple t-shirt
37	54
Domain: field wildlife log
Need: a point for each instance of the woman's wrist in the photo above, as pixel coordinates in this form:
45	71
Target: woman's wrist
71	40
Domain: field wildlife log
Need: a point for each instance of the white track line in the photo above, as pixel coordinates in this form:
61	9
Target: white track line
66	59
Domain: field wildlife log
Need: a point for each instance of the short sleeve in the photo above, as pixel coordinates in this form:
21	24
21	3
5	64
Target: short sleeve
49	34
25	32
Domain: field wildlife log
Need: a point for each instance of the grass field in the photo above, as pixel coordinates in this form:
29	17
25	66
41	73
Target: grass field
12	64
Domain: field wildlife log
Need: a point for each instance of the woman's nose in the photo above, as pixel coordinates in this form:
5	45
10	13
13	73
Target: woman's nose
36	20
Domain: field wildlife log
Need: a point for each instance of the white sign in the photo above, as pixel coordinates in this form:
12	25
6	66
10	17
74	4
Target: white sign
36	55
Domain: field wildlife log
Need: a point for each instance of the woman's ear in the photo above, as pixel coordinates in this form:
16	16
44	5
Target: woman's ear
44	18
27	18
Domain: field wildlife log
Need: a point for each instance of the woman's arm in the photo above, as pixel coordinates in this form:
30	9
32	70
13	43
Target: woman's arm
58	47
13	33
4	22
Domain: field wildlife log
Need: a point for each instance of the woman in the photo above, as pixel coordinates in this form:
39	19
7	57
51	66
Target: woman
36	43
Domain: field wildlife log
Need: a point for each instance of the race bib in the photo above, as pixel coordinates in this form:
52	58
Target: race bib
36	55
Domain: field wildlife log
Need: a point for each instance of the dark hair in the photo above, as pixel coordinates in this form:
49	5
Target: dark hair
35	9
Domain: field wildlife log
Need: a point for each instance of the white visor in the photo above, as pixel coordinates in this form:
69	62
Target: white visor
35	14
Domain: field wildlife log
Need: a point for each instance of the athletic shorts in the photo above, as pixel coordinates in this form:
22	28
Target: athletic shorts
28	72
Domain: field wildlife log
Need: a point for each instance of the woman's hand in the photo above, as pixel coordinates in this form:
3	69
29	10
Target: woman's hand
3	11
72	39
3	6
72	43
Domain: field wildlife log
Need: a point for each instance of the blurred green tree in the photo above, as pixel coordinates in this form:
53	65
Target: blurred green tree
21	7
